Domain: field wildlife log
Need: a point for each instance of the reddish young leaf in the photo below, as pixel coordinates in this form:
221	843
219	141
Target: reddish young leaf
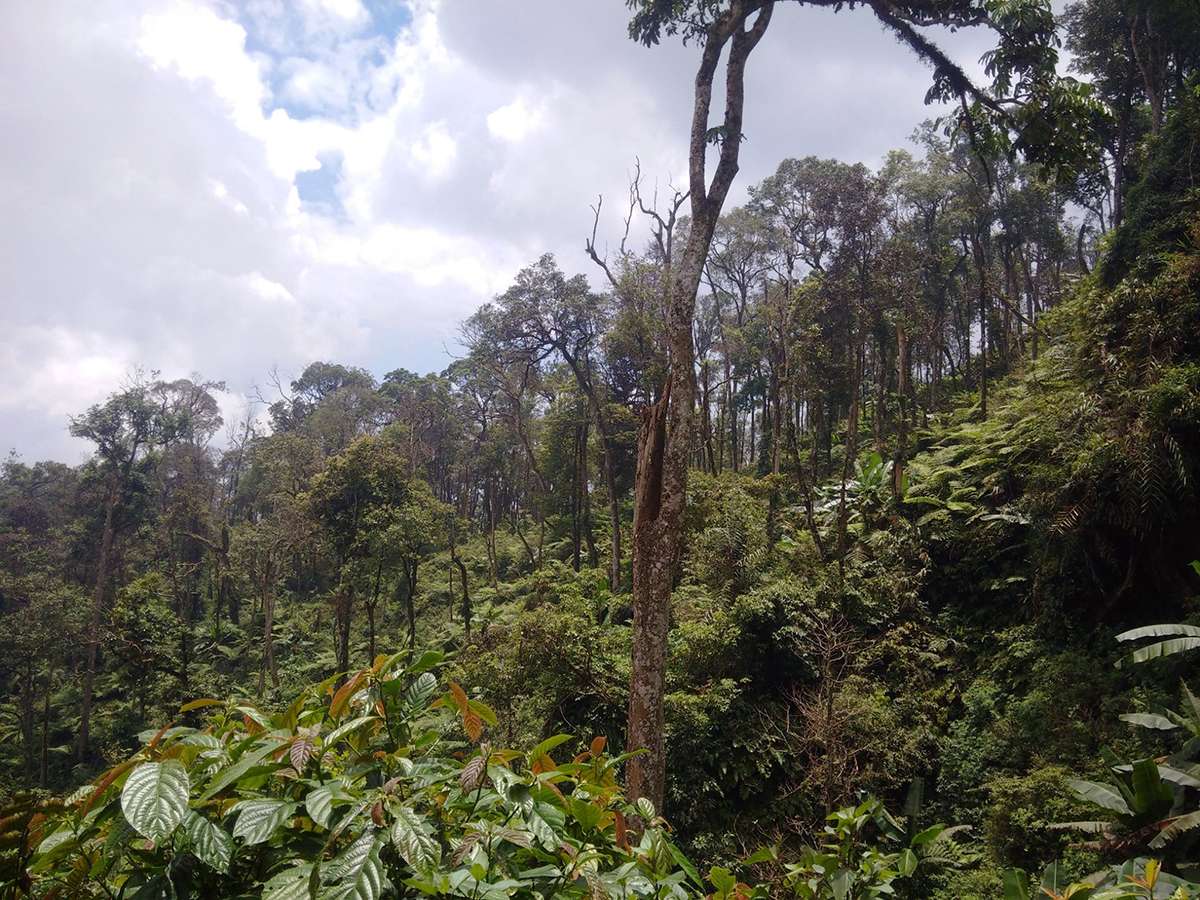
342	698
622	830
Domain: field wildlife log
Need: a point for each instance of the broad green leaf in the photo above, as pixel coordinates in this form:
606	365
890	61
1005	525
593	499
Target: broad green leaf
211	843
357	874
542	830
52	842
547	745
769	853
290	884
165	734
342	730
421	690
1149	720
1161	649
684	863
584	812
319	804
1157	631
204	741
200	704
120	836
249	760
929	834
155	798
1016	885
428	660
1177	826
540	872
257	820
413	840
722	879
254	715
907	863
1102	795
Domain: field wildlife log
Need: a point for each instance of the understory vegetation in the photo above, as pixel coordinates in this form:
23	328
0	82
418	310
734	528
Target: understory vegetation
930	620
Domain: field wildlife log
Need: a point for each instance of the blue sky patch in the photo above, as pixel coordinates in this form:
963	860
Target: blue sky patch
282	42
318	187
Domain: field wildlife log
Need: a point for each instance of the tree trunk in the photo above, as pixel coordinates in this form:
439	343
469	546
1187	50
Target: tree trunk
585	500
850	453
576	476
268	660
666	434
44	762
93	638
371	606
343	608
903	365
489	511
466	597
410	601
26	716
582	372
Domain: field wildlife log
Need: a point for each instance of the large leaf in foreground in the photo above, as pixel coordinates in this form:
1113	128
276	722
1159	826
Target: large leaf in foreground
155	798
258	819
290	884
358	874
210	842
1102	795
411	836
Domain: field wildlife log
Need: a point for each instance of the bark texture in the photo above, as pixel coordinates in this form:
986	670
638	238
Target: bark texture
665	441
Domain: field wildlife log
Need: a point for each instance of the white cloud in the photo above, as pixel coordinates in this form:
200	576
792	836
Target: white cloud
64	372
514	121
201	45
152	148
350	12
435	151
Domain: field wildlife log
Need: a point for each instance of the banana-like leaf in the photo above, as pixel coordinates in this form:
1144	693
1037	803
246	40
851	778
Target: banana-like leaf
1150	792
1158	631
1016	885
1161	649
1104	795
1149	720
1177	826
1180	777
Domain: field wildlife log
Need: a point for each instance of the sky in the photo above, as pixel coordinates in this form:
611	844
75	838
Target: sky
226	190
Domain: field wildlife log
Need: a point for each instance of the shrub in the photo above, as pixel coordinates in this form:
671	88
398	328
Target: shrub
384	786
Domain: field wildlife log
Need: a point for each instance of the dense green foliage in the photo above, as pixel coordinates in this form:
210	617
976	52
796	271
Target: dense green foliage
387	783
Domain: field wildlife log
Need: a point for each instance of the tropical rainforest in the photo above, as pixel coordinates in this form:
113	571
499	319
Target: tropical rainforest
840	544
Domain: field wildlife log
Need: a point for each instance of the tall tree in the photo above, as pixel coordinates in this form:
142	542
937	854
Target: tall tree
664	445
126	428
545	312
